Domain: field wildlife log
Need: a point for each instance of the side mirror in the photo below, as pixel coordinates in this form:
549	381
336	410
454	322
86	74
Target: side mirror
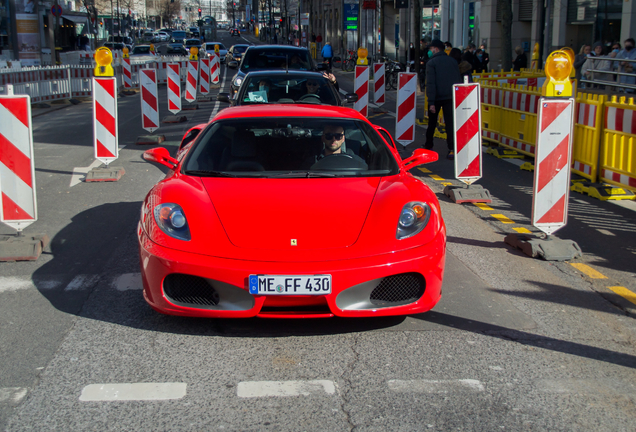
223	97
419	157
161	156
351	98
233	64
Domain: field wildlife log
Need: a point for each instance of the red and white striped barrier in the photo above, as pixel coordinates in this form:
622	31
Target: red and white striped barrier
586	114
204	80
378	84
520	101
149	100
361	88
18	206
215	68
127	73
105	135
552	164
620	120
405	119
174	88
191	82
491	96
467	132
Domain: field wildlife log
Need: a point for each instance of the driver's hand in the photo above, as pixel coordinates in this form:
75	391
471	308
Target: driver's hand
331	77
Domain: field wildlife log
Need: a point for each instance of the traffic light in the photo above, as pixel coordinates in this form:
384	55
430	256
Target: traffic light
199	12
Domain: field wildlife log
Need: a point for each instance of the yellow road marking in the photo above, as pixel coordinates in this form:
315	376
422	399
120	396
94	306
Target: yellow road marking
589	271
436	177
522	230
447	184
424	170
483	206
376	115
502	218
624	292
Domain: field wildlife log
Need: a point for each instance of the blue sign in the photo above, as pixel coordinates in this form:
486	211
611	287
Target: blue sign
350	15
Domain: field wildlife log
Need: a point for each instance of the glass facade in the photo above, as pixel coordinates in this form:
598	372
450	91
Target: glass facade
6	33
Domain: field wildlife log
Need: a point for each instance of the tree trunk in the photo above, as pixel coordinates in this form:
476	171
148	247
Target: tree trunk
506	34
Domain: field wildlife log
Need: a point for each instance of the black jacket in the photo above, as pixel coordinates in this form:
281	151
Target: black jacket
442	72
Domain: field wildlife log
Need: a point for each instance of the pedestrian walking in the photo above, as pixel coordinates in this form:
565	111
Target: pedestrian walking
442	72
484	59
327	54
521	61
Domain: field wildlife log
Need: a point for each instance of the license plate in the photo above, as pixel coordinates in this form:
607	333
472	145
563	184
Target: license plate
290	285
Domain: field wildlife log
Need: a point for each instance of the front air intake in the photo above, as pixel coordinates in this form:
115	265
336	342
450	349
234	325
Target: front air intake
190	290
398	290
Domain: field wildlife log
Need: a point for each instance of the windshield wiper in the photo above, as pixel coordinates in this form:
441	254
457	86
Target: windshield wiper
208	173
303	174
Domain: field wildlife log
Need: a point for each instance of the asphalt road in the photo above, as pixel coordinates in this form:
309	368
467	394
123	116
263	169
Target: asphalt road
515	343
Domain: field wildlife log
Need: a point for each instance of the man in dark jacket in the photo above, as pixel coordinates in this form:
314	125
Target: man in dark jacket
442	72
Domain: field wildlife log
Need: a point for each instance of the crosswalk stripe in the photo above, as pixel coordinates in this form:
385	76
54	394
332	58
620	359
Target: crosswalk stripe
133	392
254	389
435	386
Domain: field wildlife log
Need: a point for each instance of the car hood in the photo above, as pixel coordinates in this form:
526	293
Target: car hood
319	213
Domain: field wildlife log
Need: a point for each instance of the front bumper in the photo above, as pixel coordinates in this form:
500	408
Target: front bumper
229	278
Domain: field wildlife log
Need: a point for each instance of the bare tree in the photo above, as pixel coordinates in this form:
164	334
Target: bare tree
169	10
506	33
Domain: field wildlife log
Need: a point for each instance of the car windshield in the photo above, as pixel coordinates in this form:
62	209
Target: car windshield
141	50
292	147
210	46
178	36
240	48
191	42
288	88
275	59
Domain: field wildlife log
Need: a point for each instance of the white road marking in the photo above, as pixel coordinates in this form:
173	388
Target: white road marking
79	173
606	232
517	162
15	283
435	386
132	392
12	395
128	281
81	282
252	389
215	110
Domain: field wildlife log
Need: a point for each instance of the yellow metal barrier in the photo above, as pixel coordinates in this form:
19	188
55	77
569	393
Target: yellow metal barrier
618	151
588	126
518	129
312	49
491	95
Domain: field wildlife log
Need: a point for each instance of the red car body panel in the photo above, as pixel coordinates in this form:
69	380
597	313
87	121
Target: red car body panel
345	227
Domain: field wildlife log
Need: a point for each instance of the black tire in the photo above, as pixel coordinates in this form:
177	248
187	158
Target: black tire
351	65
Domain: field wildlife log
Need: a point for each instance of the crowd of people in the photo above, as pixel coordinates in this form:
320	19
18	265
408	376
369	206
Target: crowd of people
606	58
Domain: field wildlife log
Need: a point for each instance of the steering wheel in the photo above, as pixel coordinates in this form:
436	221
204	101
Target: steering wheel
310	96
339	162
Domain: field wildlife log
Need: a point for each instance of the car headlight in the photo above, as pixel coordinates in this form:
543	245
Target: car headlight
413	219
238	82
172	221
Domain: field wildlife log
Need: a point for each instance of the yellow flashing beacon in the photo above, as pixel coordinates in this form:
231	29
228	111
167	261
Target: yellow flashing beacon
570	52
216	48
103	57
125	52
557	70
362	57
194	51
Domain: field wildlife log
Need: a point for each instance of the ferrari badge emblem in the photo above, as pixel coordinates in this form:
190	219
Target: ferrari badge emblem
294	242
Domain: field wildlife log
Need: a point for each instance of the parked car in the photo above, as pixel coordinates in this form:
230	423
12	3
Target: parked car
206	253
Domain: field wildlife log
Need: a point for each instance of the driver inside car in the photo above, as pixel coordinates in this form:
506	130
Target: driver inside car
333	143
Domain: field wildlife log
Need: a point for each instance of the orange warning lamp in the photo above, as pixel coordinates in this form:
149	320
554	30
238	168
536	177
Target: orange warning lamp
152	48
216	48
570	52
125	52
194	51
362	56
557	69
103	57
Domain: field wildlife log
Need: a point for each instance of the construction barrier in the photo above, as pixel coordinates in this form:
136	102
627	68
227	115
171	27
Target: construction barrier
618	149
588	125
405	118
105	124
518	121
378	84
361	87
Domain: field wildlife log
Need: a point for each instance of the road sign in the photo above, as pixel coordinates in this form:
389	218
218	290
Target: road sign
56	10
378	75
405	119
174	88
105	134
18	206
361	88
467	132
552	164
149	99
191	81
